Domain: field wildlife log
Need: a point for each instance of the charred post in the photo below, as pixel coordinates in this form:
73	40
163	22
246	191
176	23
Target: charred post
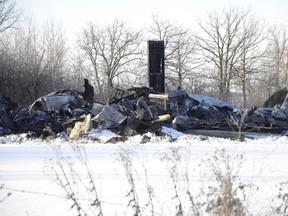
156	65
88	92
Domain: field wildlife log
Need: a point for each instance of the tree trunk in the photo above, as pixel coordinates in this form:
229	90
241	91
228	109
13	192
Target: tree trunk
244	93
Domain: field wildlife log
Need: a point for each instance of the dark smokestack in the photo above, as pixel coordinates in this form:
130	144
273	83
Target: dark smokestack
156	65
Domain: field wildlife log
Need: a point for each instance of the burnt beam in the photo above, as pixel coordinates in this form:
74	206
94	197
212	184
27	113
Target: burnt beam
156	66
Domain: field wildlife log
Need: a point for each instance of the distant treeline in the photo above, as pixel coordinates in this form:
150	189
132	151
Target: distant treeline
231	54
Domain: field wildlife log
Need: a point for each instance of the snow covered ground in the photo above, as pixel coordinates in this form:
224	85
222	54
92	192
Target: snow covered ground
27	172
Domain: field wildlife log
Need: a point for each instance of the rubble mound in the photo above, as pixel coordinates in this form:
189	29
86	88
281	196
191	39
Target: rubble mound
134	111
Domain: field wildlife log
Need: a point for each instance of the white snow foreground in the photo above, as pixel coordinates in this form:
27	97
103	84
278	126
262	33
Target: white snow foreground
154	175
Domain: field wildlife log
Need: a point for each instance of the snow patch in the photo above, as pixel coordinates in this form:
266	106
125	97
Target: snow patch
103	135
22	168
174	134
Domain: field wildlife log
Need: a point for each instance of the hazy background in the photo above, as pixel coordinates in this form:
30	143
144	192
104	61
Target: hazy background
73	14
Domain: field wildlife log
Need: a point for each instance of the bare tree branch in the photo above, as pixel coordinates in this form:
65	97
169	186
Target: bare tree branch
109	49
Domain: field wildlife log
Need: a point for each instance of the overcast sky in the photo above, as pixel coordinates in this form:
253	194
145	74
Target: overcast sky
73	14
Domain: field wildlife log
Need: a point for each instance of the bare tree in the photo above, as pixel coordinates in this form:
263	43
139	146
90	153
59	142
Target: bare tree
183	62
109	50
220	41
251	53
6	62
278	55
77	70
89	42
33	65
26	65
55	46
9	14
165	30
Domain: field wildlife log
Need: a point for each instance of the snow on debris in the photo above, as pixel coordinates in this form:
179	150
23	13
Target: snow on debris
103	135
174	134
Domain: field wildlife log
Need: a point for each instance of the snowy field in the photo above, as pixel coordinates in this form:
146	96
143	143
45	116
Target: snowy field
28	171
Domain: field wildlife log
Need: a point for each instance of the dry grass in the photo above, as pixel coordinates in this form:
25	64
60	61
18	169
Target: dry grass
226	196
80	190
281	206
8	194
125	158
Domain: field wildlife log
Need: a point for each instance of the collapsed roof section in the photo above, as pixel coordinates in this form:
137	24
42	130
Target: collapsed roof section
133	111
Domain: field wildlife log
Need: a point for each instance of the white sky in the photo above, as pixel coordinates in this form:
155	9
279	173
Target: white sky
73	14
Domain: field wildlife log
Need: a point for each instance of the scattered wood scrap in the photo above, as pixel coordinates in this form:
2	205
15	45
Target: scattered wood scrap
138	110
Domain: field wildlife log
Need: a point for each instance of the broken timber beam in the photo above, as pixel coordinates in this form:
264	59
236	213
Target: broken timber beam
164	97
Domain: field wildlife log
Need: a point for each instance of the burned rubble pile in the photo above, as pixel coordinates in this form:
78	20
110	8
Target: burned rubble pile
134	111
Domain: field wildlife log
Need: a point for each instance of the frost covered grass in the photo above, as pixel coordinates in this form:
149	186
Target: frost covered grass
176	174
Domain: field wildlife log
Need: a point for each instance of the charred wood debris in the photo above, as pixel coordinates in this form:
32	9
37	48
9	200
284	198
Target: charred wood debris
136	111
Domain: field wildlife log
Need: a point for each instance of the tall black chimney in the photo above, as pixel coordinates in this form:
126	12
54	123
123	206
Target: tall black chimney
156	65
